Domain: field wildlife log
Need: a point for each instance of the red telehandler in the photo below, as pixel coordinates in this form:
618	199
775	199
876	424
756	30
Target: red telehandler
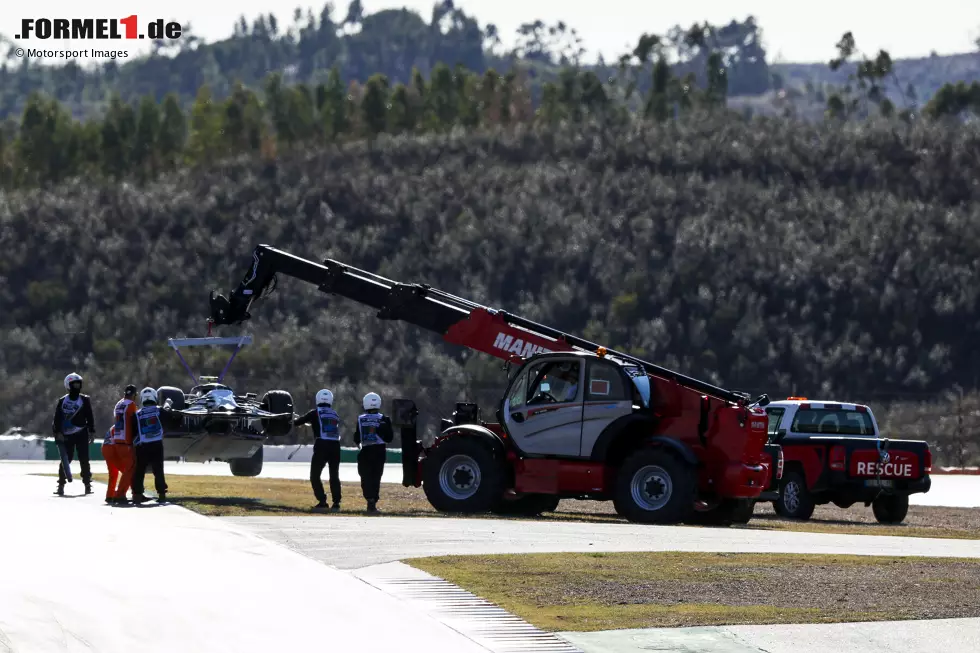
577	420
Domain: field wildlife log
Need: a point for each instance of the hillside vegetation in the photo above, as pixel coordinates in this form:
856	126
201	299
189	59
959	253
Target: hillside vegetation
765	255
394	42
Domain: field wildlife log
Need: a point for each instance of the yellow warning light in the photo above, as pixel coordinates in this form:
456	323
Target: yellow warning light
601	351
795	398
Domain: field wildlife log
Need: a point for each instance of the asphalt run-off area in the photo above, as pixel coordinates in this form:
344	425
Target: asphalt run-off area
83	576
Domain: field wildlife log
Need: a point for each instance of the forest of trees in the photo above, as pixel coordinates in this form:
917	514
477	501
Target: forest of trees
391	42
394	42
141	139
836	258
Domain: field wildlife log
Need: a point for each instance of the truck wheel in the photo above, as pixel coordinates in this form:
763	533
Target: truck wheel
247	466
462	475
891	508
795	501
654	487
528	505
277	401
728	511
742	511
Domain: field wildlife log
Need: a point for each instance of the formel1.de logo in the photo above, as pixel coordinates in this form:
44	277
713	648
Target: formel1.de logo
97	28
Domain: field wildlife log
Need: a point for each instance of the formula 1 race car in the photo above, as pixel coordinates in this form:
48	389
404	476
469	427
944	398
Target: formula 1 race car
211	422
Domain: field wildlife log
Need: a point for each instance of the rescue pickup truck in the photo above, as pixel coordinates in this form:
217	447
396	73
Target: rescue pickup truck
834	453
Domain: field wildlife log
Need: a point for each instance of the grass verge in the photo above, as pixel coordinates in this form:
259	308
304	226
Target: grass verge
231	496
604	591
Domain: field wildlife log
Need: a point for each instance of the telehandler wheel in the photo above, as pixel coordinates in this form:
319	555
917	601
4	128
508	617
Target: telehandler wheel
727	512
528	505
795	500
462	475
891	508
654	487
247	466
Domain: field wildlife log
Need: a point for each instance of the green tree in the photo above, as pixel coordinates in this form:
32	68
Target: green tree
276	105
298	123
401	116
204	140
551	110
173	131
334	115
147	133
570	94
468	97
420	93
37	141
594	97
118	137
489	97
374	105
717	91
442	93
658	101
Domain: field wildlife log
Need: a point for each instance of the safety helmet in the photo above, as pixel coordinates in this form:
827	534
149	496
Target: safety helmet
148	394
72	378
324	397
372	401
130	390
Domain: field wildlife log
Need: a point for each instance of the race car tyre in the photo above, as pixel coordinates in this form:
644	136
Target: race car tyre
277	401
247	466
462	475
171	422
528	505
891	508
795	500
727	512
653	486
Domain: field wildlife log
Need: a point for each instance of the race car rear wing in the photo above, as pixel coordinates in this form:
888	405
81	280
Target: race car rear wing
210	341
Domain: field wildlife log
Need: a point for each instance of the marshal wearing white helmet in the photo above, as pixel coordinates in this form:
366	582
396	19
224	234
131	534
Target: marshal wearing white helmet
372	433
326	448
148	427
74	430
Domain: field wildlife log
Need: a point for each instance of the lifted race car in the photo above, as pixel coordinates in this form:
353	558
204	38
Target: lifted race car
834	454
211	422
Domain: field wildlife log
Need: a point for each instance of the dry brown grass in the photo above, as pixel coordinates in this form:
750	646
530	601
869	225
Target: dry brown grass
604	591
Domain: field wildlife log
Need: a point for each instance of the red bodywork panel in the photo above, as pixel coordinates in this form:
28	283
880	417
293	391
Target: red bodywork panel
535	475
489	333
901	464
858	462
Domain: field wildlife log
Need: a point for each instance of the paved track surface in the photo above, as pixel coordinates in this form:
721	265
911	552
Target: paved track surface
950	491
927	636
353	542
207	576
81	576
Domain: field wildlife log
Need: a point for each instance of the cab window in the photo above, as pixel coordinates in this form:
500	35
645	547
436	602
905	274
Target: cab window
554	382
605	383
518	390
775	417
833	422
